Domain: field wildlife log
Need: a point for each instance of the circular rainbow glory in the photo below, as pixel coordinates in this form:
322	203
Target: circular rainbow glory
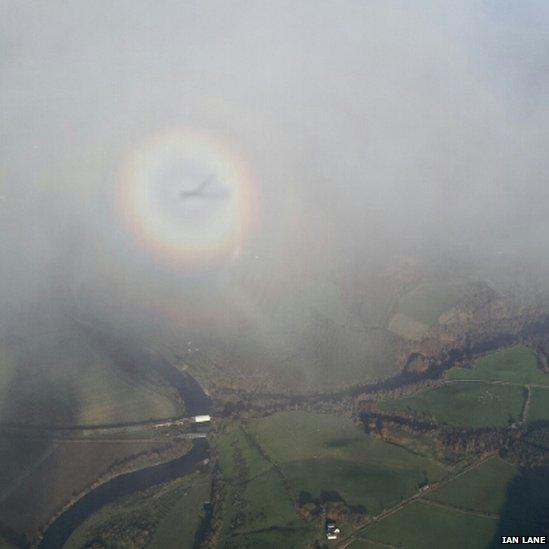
187	197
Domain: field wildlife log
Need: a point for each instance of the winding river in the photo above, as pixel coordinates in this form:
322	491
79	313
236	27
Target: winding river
196	403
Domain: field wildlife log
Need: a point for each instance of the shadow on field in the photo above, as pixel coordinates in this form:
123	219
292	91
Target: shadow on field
526	509
23	456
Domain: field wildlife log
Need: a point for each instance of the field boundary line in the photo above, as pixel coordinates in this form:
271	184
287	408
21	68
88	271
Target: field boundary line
286	484
451	507
17	481
526	407
382	543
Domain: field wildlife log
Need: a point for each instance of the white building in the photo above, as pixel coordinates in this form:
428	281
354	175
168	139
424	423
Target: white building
332	531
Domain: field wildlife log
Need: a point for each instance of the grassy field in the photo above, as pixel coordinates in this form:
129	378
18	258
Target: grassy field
249	517
247	514
165	516
49	482
465	404
61	377
297	350
366	544
422	526
517	364
481	489
539	405
422	307
440	301
178	527
427	302
327	453
275	538
17	458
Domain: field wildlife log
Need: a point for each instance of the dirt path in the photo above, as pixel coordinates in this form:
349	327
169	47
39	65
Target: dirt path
524	418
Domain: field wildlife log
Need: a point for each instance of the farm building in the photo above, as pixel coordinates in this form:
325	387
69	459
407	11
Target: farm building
332	531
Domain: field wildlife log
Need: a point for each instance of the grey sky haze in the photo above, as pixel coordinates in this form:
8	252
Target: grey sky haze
369	124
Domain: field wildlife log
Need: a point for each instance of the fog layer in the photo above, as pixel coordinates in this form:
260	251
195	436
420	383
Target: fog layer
373	130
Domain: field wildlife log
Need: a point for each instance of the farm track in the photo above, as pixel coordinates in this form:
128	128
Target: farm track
526	408
414	497
492	382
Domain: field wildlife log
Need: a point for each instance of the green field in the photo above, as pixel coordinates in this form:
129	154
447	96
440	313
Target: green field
177	528
539	405
257	510
481	489
439	301
326	453
428	301
366	544
166	516
61	377
235	444
275	538
423	526
517	364
465	404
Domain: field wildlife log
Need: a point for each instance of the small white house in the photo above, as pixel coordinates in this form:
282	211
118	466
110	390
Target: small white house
332	531
202	419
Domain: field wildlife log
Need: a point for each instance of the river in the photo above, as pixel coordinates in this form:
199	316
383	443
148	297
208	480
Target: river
196	403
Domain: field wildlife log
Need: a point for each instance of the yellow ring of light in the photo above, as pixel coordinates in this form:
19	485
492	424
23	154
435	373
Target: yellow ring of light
162	235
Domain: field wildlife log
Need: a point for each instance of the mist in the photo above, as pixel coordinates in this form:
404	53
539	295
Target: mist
375	131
